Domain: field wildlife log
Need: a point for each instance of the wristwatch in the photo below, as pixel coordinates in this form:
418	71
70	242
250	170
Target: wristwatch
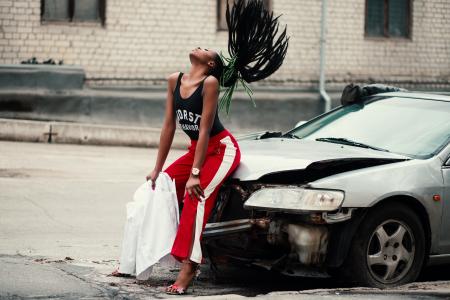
195	171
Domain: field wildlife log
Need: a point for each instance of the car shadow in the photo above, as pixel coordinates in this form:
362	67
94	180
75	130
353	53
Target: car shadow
435	273
253	281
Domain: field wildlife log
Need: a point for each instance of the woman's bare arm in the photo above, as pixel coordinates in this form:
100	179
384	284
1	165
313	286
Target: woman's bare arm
169	125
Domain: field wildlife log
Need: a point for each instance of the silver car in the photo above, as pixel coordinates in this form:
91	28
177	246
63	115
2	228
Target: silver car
361	192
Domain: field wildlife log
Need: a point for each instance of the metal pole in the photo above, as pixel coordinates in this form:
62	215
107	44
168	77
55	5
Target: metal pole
323	94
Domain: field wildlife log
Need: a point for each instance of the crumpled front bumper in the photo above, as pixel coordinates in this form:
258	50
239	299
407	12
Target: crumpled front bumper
308	242
310	245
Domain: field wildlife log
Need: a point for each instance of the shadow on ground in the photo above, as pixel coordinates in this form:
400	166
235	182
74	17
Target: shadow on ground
252	281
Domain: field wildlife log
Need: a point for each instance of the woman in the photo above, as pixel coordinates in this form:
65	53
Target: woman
193	101
212	156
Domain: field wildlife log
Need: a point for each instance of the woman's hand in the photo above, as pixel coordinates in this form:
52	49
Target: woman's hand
152	176
193	187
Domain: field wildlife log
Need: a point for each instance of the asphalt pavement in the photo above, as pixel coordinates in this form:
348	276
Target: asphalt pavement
62	214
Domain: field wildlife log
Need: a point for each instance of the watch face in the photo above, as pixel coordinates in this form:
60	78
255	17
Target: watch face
195	171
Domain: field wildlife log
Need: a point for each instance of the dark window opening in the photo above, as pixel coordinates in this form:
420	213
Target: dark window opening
388	18
222	9
73	10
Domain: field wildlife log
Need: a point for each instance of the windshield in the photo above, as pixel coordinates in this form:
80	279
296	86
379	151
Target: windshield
412	127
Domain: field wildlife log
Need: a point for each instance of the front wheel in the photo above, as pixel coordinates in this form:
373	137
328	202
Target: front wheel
388	249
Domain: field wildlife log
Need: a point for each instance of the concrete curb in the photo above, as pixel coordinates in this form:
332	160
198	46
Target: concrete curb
26	131
81	133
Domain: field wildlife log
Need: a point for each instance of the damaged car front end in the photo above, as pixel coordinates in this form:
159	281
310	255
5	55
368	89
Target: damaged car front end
280	223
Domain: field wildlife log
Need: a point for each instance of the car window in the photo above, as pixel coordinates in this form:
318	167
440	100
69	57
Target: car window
414	127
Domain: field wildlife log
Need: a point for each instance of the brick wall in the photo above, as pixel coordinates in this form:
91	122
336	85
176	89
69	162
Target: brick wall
144	41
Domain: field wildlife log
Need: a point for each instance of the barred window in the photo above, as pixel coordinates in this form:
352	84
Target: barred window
222	9
388	18
73	10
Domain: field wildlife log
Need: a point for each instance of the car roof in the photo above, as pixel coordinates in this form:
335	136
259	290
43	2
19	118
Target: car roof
418	95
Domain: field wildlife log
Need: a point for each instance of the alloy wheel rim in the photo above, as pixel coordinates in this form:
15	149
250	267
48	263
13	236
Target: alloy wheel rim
390	252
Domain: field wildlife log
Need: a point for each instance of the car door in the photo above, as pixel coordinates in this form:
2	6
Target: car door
445	227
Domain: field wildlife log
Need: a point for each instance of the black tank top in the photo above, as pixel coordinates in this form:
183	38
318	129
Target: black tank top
189	111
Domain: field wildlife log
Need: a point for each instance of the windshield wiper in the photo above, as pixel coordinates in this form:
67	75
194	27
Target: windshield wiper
291	136
349	142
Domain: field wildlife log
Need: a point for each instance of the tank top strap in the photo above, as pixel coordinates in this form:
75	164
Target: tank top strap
177	86
204	78
201	83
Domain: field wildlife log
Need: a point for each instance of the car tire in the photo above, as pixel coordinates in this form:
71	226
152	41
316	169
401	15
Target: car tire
377	256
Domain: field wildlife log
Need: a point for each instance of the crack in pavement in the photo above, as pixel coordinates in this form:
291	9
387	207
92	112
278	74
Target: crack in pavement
103	290
45	212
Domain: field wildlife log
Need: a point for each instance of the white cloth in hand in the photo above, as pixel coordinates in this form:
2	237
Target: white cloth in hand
150	228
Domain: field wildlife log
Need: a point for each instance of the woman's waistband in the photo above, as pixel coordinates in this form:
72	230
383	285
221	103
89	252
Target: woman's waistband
215	138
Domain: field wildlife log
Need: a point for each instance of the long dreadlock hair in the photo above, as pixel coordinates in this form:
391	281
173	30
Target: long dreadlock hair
254	48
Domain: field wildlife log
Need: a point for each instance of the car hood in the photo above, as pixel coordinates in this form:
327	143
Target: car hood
266	156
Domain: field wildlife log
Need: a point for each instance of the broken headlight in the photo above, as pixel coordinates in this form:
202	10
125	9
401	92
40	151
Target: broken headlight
295	199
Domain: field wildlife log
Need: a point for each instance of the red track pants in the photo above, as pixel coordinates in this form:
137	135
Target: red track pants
222	157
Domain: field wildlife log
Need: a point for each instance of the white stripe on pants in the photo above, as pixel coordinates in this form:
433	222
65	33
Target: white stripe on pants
227	162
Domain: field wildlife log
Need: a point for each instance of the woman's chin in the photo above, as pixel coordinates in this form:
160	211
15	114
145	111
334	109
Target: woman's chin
192	56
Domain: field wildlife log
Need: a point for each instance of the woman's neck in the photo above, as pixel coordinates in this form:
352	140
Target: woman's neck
196	72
